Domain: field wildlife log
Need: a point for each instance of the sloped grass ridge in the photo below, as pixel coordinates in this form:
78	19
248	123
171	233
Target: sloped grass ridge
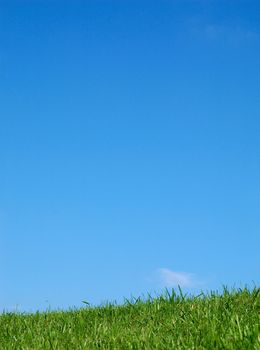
230	320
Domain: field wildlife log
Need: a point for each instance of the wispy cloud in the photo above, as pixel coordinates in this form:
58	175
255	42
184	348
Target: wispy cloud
234	32
231	33
169	278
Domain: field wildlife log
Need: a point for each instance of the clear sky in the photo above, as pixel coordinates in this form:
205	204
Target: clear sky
129	148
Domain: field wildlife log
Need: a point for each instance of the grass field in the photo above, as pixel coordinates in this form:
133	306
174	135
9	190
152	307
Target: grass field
226	320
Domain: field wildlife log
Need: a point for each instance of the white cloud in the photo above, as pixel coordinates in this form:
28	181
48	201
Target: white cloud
231	34
169	278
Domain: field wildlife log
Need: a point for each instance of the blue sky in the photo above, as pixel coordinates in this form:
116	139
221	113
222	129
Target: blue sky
129	149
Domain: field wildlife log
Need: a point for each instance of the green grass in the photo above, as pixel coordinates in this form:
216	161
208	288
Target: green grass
229	320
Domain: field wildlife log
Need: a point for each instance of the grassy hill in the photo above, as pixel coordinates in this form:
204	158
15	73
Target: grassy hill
230	320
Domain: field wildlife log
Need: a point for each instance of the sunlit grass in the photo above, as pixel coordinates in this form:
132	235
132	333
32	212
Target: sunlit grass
227	320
